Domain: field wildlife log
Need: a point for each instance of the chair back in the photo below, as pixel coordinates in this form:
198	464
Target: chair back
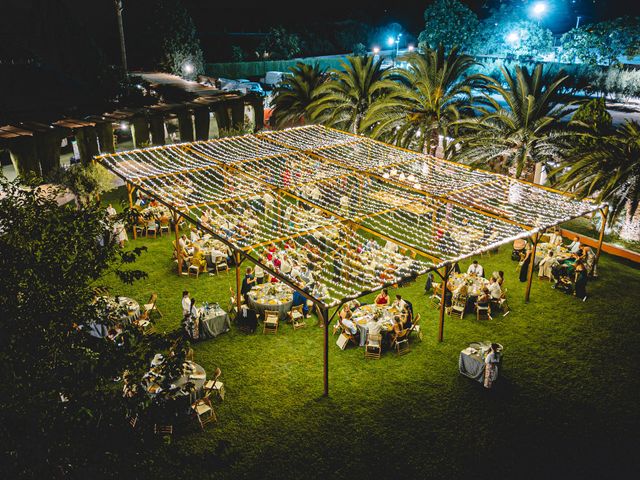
217	374
152	299
270	316
416	321
297	308
374	337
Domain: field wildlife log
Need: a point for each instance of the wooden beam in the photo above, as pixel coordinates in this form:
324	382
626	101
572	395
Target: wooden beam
445	279
532	261
605	212
130	196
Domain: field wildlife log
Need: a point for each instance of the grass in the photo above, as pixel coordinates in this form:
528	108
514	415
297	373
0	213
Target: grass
565	405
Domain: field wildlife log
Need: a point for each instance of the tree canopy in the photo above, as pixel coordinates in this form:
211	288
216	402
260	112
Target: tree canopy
448	22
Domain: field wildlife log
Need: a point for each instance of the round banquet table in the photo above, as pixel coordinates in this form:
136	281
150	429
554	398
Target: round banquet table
365	313
281	303
542	250
198	377
476	286
131	308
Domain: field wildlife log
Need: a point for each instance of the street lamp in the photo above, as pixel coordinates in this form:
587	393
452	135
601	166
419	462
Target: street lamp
391	41
376	50
410	48
538	10
187	68
513	37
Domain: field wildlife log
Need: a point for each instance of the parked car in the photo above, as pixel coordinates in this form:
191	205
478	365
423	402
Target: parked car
244	87
272	79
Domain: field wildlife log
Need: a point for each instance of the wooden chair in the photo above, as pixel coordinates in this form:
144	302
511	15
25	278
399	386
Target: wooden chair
503	303
458	306
162	430
152	227
203	411
214	385
194	269
373	347
347	333
297	317
233	307
436	296
144	324
483	312
401	342
189	356
164	225
140	227
133	421
415	327
271	320
151	305
221	264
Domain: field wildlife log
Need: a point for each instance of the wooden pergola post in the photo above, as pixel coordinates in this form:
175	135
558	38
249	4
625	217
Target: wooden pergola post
445	278
605	212
177	233
238	263
532	261
323	314
130	196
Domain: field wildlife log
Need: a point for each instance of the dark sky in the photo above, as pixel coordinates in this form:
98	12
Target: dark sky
249	15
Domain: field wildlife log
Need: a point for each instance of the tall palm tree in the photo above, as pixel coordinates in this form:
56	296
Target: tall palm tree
517	123
294	95
609	170
343	101
431	93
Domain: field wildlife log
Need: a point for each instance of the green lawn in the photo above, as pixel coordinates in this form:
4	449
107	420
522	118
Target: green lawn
566	404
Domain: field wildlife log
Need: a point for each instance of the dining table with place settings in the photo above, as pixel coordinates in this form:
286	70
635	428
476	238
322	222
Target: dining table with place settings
192	373
372	318
474	283
213	321
559	251
117	308
471	360
271	296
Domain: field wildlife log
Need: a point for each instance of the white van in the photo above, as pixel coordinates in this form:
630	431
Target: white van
272	79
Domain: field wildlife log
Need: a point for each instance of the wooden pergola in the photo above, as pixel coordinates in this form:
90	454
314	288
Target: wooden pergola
339	192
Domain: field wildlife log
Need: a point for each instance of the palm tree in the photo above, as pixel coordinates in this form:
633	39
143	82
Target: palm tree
516	127
294	95
428	95
343	101
609	170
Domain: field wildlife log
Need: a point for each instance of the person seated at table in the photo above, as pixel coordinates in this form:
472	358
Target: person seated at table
574	247
111	212
285	265
154	203
194	235
295	271
320	290
484	298
247	283
555	238
399	303
185	249
383	298
345	319
299	299
461	291
205	220
494	289
391	247
272	249
306	275
198	259
545	268
353	305
475	269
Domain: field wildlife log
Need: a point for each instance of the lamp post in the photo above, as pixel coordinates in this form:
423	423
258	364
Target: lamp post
538	10
123	51
391	41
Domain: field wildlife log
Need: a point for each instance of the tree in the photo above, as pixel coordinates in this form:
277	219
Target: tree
516	126
237	55
603	42
280	44
294	95
507	32
359	50
609	170
343	100
427	96
448	22
58	398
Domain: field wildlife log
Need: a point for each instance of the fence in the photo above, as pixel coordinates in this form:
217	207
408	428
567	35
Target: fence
259	68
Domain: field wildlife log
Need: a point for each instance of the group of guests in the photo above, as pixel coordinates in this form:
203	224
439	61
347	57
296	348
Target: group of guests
576	269
402	320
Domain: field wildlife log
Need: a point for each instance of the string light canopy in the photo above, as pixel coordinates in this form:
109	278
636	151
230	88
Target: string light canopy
362	214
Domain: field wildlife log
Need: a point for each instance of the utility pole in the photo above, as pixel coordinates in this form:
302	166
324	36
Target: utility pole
123	51
578	21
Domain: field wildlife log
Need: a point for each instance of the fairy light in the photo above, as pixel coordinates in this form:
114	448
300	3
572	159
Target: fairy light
347	183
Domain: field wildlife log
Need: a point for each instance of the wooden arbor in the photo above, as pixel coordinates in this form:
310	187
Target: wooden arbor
319	186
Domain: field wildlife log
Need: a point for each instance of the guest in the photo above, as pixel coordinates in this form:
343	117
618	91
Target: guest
299	299
494	289
346	320
306	275
546	266
111	212
456	268
524	264
391	247
555	239
285	265
589	260
461	291
491	362
194	235
198	259
184	246
476	269
484	298
399	303
580	280
500	277
574	247
186	303
382	298
258	273
247	283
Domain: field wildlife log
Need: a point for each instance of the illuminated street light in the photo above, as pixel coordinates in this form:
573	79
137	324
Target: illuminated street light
513	37
188	68
410	48
539	8
376	50
124	126
390	41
